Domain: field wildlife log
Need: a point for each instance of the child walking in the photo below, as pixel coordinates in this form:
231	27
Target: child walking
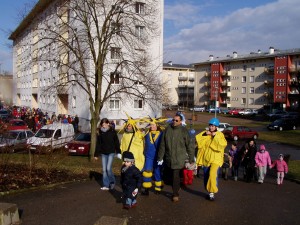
131	180
281	168
262	160
188	173
234	162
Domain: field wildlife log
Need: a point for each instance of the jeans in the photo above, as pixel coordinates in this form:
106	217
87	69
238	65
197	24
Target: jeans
108	176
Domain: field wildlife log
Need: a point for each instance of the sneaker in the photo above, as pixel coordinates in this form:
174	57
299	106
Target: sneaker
112	186
235	178
210	197
134	205
104	188
175	199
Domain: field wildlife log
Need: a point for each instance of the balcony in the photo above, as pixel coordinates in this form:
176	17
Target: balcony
269	70
34	90
191	77
266	94
183	78
228	94
207	74
226	83
226	73
191	85
206	93
294	91
182	85
294	82
207	84
268	82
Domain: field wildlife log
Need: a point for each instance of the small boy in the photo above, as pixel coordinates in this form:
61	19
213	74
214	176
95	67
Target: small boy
131	180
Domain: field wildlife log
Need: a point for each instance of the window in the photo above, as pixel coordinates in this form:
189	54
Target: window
251	90
116	28
114	104
244	79
252	67
243	101
244	68
115	78
115	53
74	102
251	80
140	8
243	90
251	101
139	31
138	104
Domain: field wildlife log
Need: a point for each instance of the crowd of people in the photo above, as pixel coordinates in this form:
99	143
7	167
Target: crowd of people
35	118
169	155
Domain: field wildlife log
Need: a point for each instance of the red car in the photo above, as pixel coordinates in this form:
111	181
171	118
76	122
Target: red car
80	145
239	132
234	112
16	124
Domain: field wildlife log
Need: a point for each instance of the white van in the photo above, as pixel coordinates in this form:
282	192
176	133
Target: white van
53	135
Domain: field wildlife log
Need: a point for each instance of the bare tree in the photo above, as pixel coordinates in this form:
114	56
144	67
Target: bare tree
103	47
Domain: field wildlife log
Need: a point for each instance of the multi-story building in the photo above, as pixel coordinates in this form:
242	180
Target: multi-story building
6	89
250	81
179	81
33	75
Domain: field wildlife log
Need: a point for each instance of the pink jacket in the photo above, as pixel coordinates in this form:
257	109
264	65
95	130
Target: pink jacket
263	158
280	166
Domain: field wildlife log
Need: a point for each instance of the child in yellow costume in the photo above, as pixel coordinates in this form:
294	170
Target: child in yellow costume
211	144
133	141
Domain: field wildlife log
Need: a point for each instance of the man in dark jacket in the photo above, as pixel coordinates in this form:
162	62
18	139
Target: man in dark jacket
176	146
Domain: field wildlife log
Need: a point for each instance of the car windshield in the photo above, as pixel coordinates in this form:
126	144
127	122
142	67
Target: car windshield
10	135
277	122
83	137
44	133
229	128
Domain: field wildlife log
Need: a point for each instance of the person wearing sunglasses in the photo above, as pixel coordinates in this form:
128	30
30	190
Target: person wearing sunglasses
211	144
176	146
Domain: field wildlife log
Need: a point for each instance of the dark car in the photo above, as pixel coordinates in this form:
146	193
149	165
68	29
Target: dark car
239	132
292	115
283	124
14	140
5	114
80	145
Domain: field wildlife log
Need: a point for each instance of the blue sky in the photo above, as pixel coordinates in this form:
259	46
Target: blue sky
195	29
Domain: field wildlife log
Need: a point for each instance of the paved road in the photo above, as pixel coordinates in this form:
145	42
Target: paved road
83	203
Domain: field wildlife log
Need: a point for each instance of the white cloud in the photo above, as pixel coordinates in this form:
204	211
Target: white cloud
244	30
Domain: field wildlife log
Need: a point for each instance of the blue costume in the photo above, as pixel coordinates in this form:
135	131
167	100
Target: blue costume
151	170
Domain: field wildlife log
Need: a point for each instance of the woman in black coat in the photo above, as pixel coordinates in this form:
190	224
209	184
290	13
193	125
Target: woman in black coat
248	153
107	146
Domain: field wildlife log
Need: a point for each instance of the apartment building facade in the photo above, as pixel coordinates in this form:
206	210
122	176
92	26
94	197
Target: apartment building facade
6	89
180	83
255	80
33	77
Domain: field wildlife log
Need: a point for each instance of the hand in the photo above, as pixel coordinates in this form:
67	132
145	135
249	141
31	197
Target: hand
134	193
119	156
159	163
96	158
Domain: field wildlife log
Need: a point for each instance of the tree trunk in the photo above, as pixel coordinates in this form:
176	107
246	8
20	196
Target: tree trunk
94	122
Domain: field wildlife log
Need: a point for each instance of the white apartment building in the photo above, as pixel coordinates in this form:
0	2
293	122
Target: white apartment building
254	80
180	83
34	77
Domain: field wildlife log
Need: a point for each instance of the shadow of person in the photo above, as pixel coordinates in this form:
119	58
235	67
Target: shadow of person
97	176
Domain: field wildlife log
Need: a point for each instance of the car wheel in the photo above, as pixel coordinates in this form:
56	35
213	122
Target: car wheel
235	138
255	137
280	128
294	127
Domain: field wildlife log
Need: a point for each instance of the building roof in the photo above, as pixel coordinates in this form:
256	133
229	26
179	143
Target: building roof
40	6
251	55
178	66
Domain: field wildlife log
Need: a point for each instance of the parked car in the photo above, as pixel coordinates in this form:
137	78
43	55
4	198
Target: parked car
225	110
239	132
276	115
248	112
234	112
80	145
198	109
51	136
292	115
223	126
212	110
5	114
283	124
14	140
16	124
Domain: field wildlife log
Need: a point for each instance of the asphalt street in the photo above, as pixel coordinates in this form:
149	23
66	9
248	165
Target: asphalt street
83	203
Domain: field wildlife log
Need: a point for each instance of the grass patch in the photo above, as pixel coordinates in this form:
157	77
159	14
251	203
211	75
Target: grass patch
294	170
290	137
